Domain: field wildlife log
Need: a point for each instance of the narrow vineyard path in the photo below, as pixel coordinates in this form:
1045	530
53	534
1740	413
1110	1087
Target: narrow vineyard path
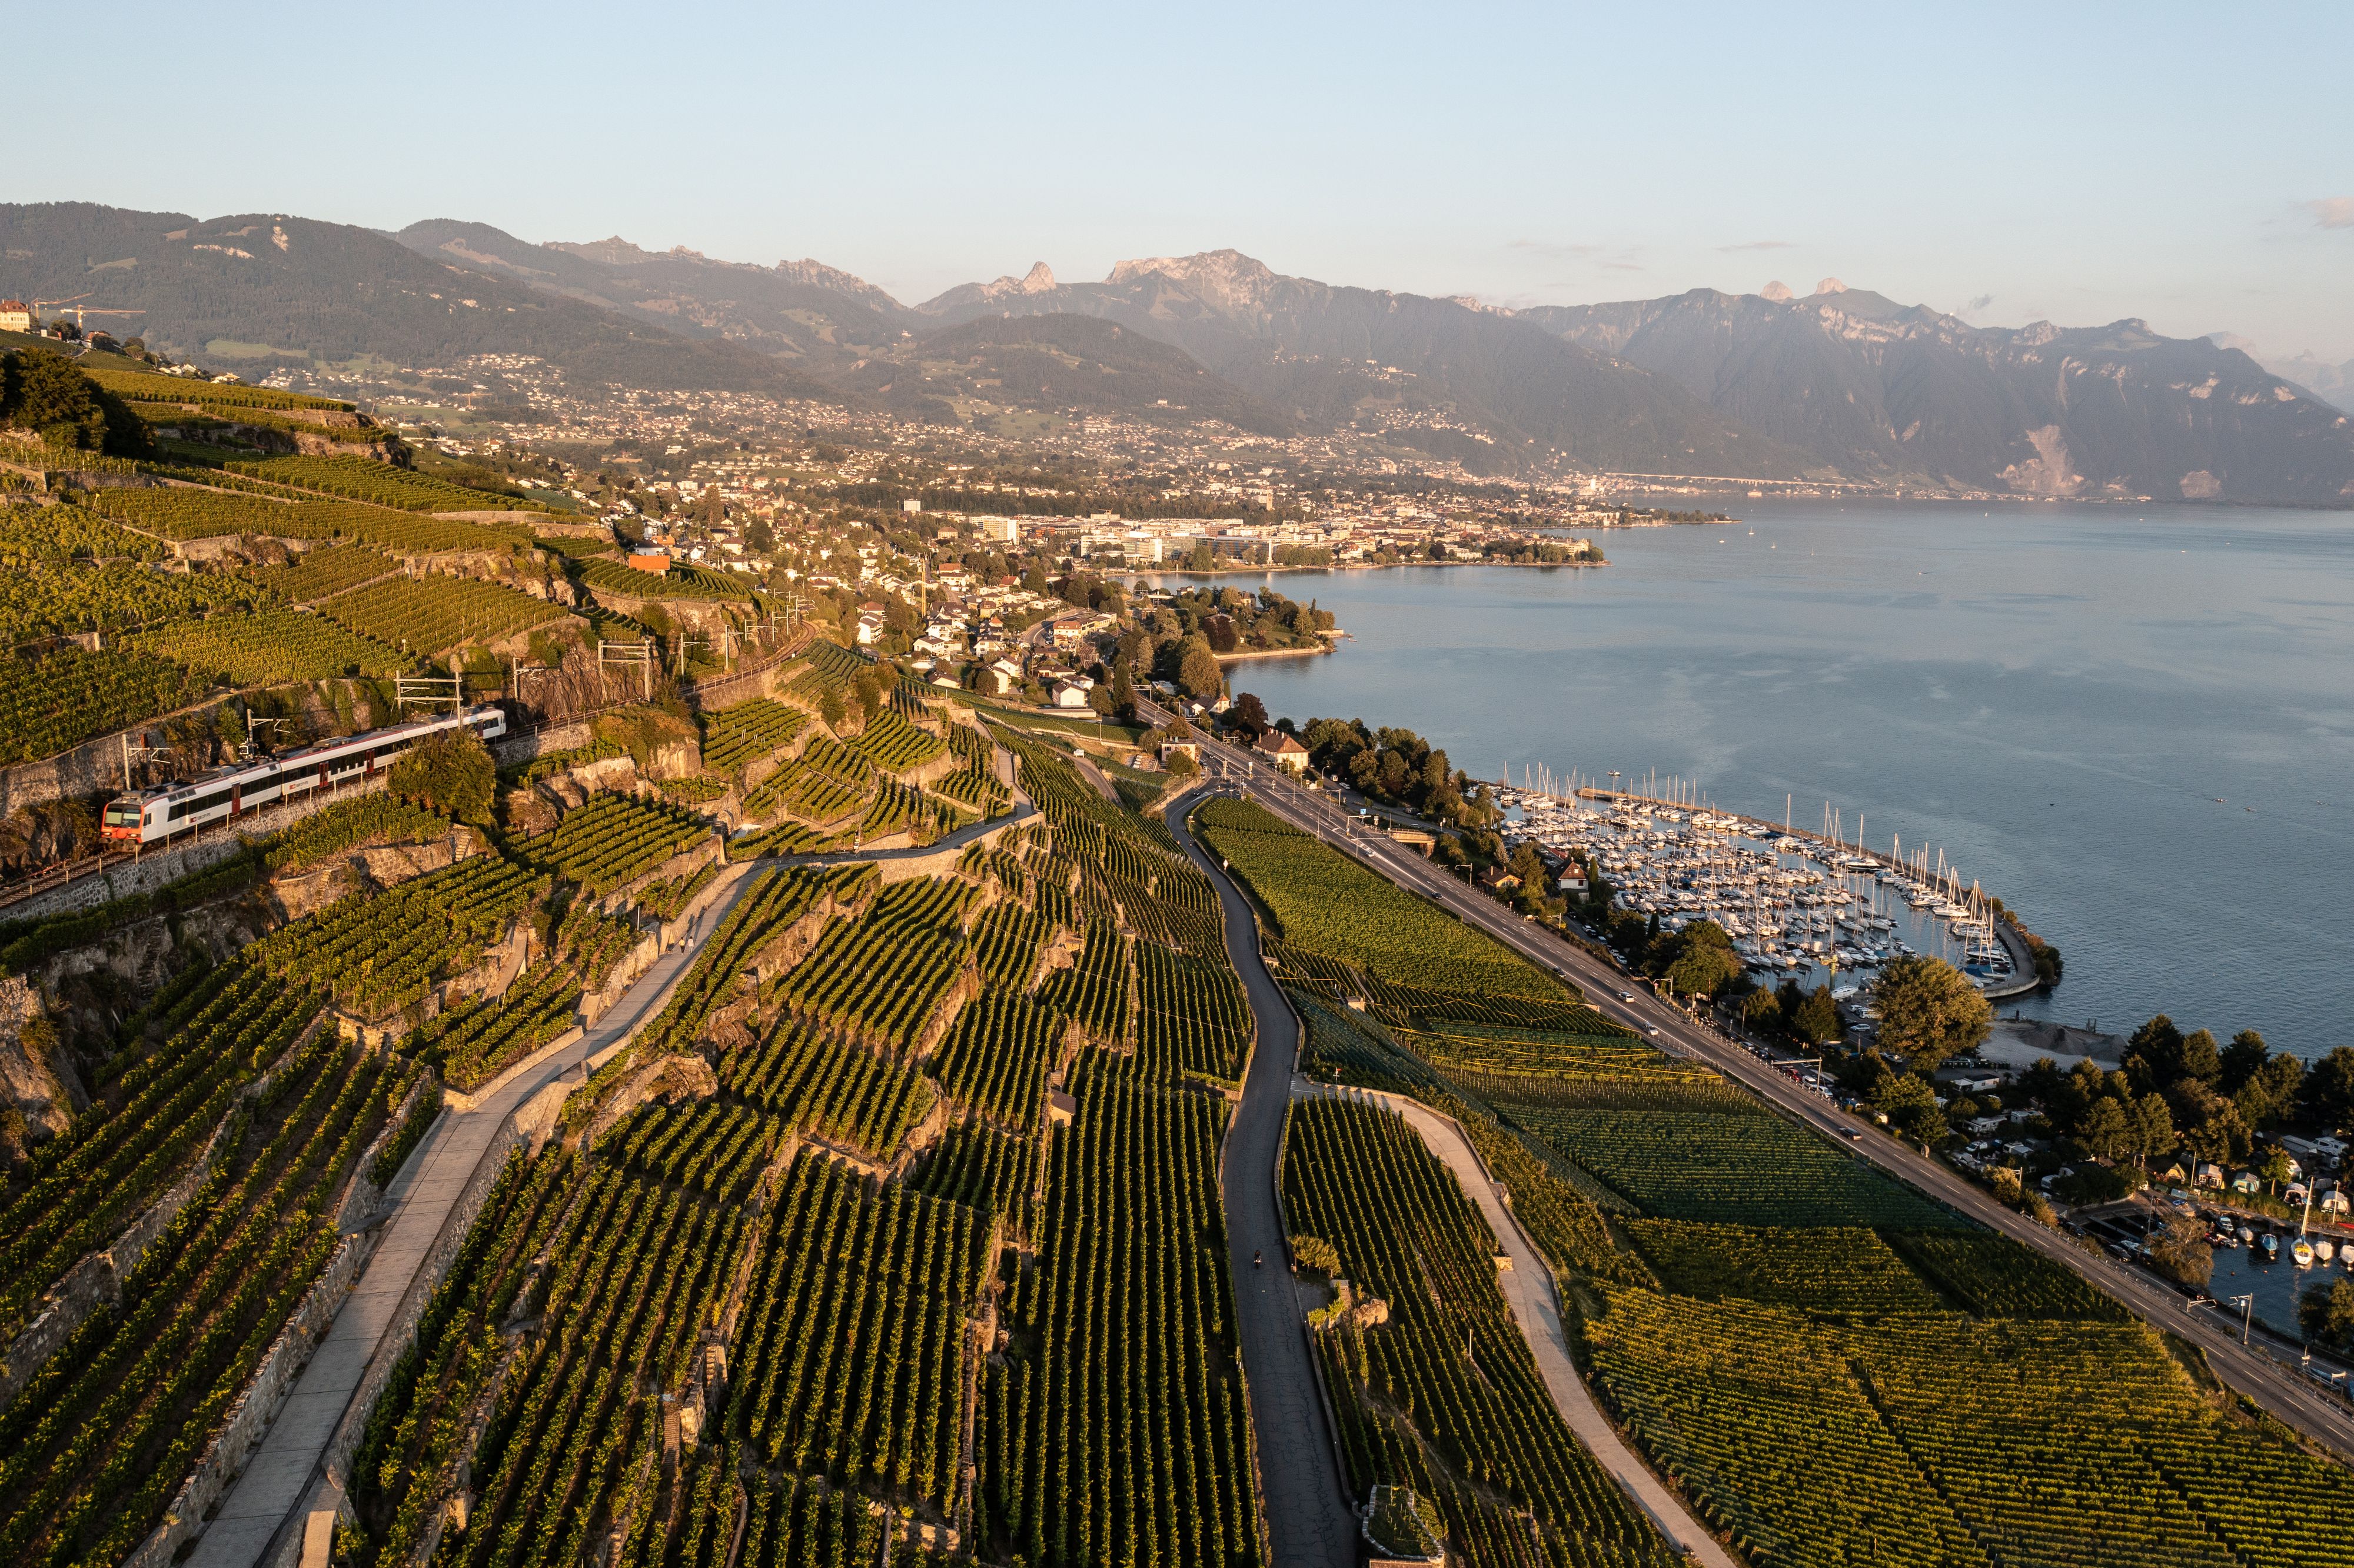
1528	1285
281	1472
1309	1519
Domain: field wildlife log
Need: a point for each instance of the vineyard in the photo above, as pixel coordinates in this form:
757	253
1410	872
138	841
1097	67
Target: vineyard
476	1041
185	513
612	839
376	953
266	648
1125	1316
377	483
746	732
1942	1439
54	534
67	695
1330	907
847	1096
1445	1390
893	745
95	1446
61	598
1831	1368
316	574
996	1061
431	615
681	581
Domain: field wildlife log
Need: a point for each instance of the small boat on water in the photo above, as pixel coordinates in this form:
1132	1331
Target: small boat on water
2247	1236
2271	1245
2323	1248
2302	1251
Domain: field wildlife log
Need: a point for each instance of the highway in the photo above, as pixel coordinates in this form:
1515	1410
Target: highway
2282	1390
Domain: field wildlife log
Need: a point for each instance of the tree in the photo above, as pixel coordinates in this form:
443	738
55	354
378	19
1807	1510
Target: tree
2181	1251
1698	960
2240	1060
2210	1124
759	537
1911	1106
2329	1090
1816	1019
1249	714
450	771
2270	1091
2107	1130
2154	1055
1100	698
1198	675
2153	1128
1929	1010
2327	1314
42	390
1123	691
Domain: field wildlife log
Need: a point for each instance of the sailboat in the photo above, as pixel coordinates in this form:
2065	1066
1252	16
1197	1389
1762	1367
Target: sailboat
2302	1249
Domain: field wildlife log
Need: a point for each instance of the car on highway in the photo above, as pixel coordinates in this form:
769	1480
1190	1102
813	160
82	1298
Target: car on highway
1625	996
1654	1029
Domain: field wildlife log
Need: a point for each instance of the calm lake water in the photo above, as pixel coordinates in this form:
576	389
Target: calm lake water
2135	726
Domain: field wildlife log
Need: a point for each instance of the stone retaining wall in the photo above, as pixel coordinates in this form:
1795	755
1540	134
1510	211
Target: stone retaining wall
250	1416
156	869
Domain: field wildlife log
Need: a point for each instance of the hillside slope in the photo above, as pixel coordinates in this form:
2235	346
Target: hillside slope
1058	361
1497	394
251	291
1904	395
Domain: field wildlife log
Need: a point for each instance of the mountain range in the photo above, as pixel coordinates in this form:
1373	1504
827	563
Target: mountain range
1843	384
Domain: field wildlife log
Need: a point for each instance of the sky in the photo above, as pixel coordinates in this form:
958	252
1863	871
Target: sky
2190	164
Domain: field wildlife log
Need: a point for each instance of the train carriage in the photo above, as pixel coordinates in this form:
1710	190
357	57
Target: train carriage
152	816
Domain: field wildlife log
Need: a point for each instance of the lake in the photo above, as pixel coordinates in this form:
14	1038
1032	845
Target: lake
2136	726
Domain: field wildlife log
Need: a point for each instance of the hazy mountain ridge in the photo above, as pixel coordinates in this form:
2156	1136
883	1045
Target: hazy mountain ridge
1843	384
1497	393
1058	361
1907	395
248	292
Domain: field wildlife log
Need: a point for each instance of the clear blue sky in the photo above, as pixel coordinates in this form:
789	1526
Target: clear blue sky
2190	163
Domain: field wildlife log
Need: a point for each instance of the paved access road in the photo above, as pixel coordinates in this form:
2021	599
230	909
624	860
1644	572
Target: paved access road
1528	1288
2281	1391
1309	1519
283	1470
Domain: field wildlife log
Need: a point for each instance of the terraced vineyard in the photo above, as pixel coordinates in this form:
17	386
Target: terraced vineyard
330	569
267	648
1444	1388
612	839
59	699
376	953
893	745
187	513
433	615
94	1447
60	599
379	484
996	1061
848	1095
736	735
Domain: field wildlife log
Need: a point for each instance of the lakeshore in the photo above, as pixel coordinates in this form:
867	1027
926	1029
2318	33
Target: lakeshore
2126	721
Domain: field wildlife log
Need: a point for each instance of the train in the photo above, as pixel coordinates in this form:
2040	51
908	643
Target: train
152	816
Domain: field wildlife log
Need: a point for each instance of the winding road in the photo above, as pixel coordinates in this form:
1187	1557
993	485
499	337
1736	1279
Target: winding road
1309	1519
1528	1289
2272	1384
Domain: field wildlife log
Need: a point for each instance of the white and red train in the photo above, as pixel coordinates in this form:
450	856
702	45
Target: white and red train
150	816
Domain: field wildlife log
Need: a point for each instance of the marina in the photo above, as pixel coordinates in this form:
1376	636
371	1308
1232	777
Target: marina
1801	905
